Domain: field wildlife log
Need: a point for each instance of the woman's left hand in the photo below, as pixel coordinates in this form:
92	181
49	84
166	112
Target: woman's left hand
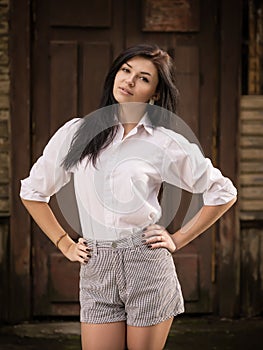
156	236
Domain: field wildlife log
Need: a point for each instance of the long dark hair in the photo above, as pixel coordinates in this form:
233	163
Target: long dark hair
97	131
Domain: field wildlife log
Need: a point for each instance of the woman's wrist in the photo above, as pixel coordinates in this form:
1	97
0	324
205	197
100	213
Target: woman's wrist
60	239
176	241
64	242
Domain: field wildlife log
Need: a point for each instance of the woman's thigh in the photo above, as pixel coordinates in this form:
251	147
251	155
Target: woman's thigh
106	336
148	338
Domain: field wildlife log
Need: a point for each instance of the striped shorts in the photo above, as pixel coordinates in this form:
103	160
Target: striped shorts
124	280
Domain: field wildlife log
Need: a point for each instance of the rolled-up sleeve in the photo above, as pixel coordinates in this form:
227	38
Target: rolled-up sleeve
185	166
47	175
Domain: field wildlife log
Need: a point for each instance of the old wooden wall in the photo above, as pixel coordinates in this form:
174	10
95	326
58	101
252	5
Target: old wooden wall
251	161
251	158
251	204
250	245
4	152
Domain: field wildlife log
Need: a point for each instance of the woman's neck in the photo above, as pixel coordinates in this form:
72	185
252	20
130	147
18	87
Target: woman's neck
130	114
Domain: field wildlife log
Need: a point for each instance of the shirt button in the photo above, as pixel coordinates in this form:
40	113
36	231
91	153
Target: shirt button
151	215
114	244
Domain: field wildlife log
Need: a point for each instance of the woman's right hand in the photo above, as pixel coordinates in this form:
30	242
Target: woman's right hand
78	251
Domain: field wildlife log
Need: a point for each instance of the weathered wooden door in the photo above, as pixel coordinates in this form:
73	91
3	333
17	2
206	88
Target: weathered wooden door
73	45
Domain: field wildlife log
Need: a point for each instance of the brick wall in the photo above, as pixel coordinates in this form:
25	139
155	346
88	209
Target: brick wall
4	110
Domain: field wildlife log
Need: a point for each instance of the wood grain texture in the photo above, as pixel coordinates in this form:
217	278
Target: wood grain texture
251	157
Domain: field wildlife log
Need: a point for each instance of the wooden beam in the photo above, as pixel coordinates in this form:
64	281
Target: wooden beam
19	297
229	245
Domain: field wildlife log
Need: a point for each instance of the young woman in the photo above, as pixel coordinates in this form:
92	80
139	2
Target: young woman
119	157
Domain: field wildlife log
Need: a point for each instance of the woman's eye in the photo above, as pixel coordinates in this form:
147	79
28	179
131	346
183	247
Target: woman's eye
125	70
146	80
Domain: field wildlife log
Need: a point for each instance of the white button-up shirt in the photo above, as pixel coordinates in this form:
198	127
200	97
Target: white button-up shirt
118	196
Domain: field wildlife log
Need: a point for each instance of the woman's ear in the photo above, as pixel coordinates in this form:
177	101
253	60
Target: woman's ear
156	96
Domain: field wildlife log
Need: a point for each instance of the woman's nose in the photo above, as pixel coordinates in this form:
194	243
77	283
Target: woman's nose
130	81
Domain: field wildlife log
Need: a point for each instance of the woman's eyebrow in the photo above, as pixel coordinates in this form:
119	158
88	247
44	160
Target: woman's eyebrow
140	72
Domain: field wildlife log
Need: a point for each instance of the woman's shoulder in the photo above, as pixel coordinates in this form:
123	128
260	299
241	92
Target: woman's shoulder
184	142
64	134
167	136
69	128
72	123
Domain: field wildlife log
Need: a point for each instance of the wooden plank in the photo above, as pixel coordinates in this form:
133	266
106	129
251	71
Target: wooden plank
187	267
256	215
4	205
252	141
41	120
4	268
230	60
250	277
252	128
95	63
61	271
63	82
251	102
40	71
187	65
251	205
5	146
4	159
4	169
261	272
251	154
4	129
251	166
251	192
4	190
20	244
251	179
251	115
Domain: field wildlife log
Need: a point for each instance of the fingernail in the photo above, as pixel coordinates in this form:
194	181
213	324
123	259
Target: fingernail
144	240
88	256
87	250
145	229
143	235
149	246
85	243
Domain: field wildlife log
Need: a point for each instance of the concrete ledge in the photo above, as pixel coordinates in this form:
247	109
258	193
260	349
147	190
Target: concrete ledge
43	329
199	333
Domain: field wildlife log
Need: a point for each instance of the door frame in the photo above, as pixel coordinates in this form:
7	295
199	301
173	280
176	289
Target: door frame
227	290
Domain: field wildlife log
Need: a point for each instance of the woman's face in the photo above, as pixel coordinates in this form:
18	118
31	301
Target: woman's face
136	81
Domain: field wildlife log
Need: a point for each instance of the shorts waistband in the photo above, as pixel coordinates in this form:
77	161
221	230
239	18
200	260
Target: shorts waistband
131	241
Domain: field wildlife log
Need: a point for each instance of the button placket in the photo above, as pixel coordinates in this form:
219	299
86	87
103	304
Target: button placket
115	159
109	187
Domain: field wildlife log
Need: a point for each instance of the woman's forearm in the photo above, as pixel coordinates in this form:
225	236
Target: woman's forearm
206	217
46	220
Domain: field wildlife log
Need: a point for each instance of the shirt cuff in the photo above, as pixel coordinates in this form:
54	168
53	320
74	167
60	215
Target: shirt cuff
28	193
220	197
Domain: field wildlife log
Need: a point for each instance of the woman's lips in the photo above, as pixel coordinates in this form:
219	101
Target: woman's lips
125	91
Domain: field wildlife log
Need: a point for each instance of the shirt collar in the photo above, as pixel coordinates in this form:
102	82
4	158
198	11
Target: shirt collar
146	123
